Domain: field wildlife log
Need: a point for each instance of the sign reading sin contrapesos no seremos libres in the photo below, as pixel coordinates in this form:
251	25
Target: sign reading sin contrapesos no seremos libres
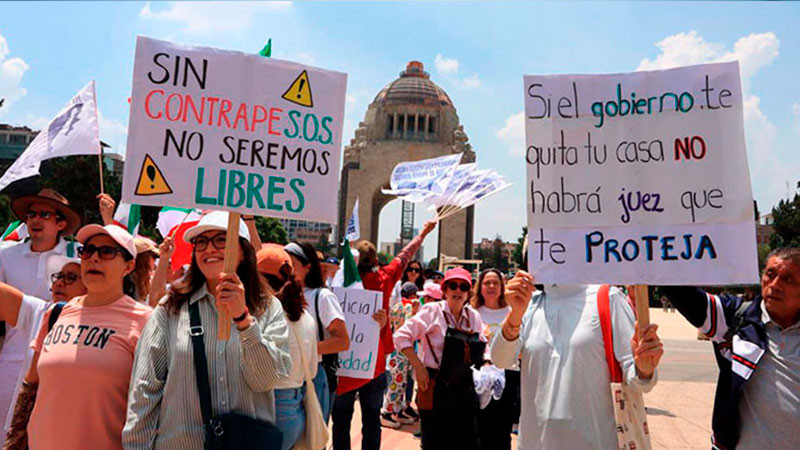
217	129
639	178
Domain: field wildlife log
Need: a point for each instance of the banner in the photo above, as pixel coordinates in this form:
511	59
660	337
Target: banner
639	178
358	306
353	225
224	130
73	131
416	180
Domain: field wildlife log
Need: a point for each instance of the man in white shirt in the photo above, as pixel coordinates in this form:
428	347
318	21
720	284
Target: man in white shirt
48	217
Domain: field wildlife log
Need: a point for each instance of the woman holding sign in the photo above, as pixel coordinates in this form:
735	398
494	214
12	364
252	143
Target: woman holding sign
164	405
565	379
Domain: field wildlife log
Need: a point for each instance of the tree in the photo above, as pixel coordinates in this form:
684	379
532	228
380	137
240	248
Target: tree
271	230
518	251
787	224
323	245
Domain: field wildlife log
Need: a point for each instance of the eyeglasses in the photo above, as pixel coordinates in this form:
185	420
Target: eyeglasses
103	251
43	214
200	243
452	285
68	278
413	269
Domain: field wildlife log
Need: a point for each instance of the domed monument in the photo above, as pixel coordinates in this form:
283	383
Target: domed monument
411	118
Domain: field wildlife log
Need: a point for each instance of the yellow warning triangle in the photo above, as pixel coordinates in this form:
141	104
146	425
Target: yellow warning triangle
151	180
300	91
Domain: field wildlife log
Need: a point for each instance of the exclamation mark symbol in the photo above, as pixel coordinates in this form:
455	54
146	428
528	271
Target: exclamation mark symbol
151	173
300	90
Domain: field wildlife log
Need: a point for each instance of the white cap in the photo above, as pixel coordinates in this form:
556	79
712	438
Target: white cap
214	221
115	232
56	263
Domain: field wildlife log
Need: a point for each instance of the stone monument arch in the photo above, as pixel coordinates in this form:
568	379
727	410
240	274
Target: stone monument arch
411	118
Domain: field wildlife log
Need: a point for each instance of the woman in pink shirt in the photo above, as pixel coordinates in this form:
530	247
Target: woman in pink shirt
82	366
446	397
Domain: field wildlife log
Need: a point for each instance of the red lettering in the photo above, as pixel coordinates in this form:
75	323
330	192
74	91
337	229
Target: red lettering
273	116
223	113
690	147
190	102
147	104
256	118
241	114
211	102
168	107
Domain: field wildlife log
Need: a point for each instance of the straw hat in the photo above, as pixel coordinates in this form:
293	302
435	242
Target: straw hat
21	205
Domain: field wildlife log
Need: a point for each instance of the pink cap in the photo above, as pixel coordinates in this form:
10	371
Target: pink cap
457	274
431	290
117	233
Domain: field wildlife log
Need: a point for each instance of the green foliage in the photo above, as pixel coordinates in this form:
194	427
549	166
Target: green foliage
763	252
271	230
518	252
787	224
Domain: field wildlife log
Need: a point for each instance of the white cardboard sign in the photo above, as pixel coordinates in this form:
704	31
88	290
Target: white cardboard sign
358	306
639	178
217	129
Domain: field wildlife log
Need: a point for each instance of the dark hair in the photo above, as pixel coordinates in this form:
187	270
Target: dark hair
477	297
256	291
141	274
288	291
420	279
789	254
314	277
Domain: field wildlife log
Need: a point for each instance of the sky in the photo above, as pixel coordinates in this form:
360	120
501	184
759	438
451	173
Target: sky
478	52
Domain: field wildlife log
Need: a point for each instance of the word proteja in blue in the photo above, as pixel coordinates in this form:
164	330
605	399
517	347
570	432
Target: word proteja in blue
649	248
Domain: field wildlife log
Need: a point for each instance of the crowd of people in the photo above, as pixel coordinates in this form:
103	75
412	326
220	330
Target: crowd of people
103	345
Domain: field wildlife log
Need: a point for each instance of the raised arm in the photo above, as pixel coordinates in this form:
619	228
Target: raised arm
394	270
711	314
506	345
10	302
158	286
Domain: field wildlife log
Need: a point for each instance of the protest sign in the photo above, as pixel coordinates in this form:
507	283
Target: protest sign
417	180
639	178
224	130
358	306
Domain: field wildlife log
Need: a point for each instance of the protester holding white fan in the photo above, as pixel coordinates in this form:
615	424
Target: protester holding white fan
566	401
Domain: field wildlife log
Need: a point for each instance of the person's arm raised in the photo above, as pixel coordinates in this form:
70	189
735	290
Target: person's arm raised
10	303
158	285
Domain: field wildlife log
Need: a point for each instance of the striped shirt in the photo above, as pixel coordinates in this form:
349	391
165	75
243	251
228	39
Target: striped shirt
163	402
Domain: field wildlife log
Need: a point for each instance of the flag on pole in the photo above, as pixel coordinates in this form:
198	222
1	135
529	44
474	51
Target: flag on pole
16	231
352	279
267	50
128	216
170	217
74	131
353	225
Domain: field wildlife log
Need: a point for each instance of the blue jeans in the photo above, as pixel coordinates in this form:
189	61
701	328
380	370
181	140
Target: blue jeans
324	394
371	399
290	414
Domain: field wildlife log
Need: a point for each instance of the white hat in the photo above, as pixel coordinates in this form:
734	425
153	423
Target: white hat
115	232
215	220
56	263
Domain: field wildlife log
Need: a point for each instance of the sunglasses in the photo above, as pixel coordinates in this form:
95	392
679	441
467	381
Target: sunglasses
453	285
413	269
200	243
68	278
45	215
103	251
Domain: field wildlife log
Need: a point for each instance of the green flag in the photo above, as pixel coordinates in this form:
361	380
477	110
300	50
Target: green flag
266	52
351	276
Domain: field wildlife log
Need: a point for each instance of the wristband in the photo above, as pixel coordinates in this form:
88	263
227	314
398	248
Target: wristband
243	316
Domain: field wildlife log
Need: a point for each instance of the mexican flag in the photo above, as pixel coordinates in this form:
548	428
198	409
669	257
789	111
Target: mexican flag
349	269
16	231
174	222
128	216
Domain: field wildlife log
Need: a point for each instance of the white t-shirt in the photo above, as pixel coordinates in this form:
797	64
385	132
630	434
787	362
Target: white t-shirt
329	308
16	355
27	270
305	330
493	318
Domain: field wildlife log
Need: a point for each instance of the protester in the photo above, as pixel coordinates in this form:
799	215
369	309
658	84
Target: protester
323	305
78	381
370	391
446	397
397	410
437	277
329	267
275	265
164	403
161	276
49	218
757	347
23	315
497	419
430	293
146	255
414	274
566	400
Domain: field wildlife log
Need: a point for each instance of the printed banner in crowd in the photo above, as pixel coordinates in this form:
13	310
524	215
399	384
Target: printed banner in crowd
639	178
225	130
358	306
73	131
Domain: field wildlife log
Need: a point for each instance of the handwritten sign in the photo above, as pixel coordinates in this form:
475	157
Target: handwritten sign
639	178
216	129
358	306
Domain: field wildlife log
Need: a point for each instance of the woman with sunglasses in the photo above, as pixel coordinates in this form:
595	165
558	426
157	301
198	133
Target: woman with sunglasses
85	360
275	265
164	404
413	274
497	419
446	397
323	305
22	315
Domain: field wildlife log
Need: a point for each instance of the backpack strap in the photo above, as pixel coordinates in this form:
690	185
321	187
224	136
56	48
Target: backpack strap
604	311
196	332
54	314
319	322
738	320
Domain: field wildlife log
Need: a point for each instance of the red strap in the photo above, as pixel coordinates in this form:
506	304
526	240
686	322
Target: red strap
604	311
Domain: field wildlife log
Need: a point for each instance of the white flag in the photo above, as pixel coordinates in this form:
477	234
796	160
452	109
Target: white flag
353	226
417	180
73	131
